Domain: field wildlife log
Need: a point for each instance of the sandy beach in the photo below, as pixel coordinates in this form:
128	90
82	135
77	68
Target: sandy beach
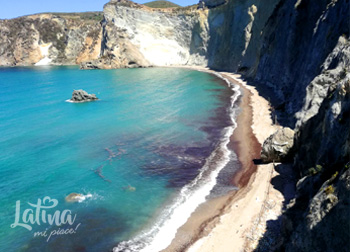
236	221
241	225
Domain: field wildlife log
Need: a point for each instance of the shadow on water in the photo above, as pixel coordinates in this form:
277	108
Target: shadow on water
181	164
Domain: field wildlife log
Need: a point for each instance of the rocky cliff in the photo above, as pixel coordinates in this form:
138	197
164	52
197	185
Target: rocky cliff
50	39
138	36
318	218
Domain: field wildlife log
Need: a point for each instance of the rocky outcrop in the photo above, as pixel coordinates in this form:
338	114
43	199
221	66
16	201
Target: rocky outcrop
325	117
117	52
137	36
316	220
277	147
50	39
310	33
82	96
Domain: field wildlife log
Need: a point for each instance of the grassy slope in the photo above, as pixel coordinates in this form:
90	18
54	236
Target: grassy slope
161	4
92	15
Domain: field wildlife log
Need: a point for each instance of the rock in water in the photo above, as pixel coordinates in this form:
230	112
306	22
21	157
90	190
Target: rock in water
74	197
129	188
82	96
77	197
276	147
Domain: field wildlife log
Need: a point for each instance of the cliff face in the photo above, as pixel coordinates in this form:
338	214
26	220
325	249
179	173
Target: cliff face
138	36
304	58
44	39
297	39
318	218
227	37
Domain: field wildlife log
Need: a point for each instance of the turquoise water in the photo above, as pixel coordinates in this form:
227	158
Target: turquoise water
152	129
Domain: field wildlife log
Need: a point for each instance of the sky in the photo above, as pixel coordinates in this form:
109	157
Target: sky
18	8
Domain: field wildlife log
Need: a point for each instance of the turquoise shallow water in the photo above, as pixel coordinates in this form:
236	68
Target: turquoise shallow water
160	125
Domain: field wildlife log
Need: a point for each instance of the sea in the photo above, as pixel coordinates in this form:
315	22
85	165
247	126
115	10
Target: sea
142	157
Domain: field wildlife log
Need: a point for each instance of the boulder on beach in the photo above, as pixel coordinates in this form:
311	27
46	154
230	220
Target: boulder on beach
277	147
82	96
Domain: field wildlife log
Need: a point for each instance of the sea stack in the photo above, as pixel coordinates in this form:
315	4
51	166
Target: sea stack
82	96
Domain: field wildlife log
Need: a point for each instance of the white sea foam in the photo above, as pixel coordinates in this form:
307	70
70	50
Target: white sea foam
160	235
70	101
83	197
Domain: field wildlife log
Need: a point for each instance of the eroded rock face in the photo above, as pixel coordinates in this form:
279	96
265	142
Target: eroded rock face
82	96
50	39
277	147
318	219
323	126
118	51
137	36
311	32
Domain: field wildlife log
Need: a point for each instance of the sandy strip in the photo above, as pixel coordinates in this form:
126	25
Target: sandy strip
235	222
237	227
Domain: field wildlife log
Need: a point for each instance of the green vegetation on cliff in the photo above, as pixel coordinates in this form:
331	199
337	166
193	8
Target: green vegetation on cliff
90	15
161	4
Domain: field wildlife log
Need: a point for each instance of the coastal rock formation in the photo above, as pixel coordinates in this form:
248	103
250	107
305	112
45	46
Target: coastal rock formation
138	36
309	41
50	39
324	117
322	160
82	96
277	147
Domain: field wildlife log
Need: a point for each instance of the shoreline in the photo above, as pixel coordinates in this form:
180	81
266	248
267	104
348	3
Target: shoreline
209	226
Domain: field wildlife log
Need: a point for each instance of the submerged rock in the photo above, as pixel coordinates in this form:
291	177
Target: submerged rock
129	188
74	197
77	197
82	96
276	148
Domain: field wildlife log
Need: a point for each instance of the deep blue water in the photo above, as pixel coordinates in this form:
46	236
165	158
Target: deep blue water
152	129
